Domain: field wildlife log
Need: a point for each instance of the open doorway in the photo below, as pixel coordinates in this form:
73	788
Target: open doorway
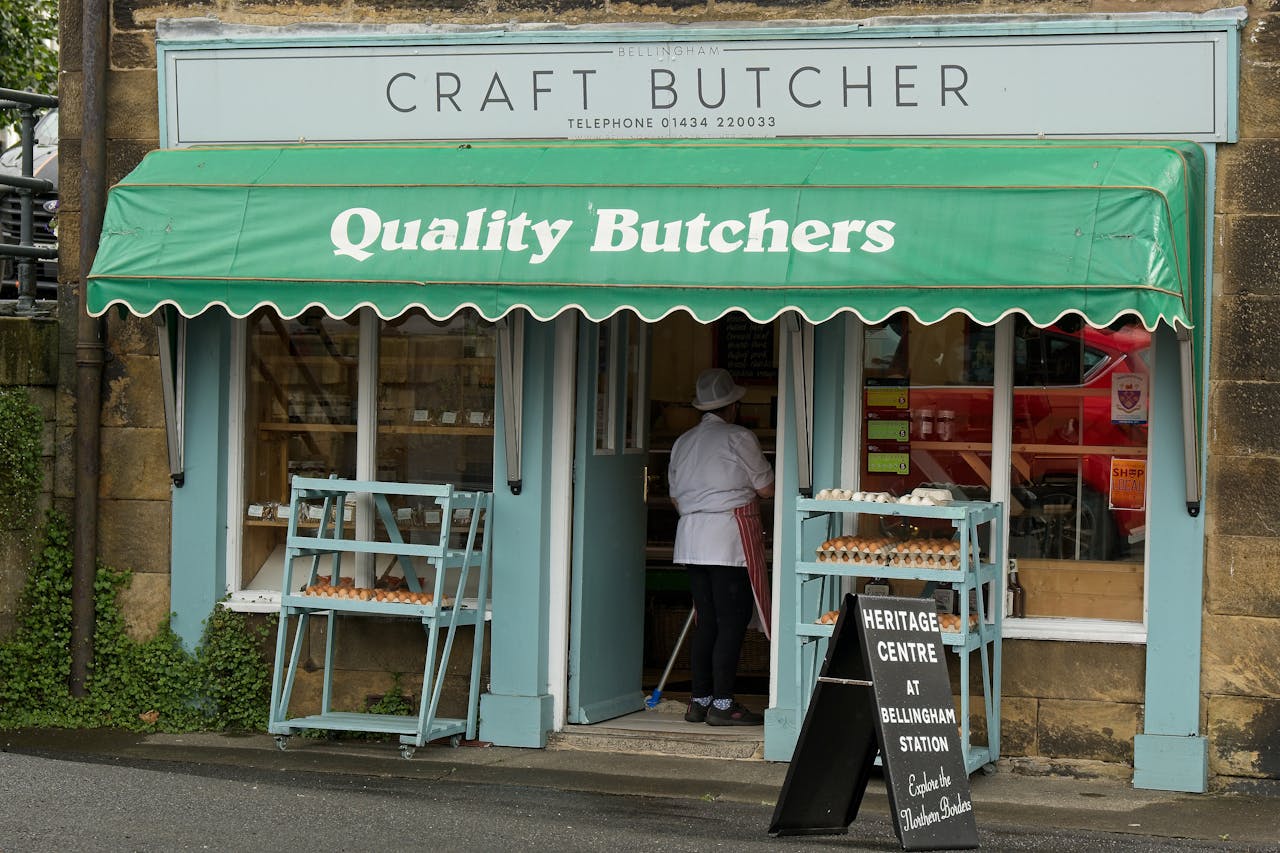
628	602
682	348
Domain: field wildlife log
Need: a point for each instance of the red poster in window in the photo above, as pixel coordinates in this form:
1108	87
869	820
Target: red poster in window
1128	484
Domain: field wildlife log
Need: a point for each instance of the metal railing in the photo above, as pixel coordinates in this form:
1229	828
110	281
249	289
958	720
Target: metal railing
26	251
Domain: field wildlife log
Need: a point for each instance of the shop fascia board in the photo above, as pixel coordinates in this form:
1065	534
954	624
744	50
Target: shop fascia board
205	30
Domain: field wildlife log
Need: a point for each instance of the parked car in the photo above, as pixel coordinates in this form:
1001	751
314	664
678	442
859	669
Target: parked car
44	208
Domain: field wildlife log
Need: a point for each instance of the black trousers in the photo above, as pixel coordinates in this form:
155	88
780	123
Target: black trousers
722	597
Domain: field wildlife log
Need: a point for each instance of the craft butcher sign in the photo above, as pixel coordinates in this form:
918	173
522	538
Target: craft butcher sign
883	688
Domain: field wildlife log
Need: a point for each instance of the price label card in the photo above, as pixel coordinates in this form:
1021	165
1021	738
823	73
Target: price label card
888	463
476	418
431	516
448	417
257	510
887	398
421	416
878	430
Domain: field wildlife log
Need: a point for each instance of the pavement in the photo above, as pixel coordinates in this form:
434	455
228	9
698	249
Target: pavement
1020	793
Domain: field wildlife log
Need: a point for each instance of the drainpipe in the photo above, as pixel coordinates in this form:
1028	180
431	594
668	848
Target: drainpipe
89	336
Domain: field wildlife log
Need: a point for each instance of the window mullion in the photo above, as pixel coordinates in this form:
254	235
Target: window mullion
366	437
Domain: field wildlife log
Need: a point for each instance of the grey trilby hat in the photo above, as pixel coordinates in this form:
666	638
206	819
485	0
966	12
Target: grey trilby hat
716	389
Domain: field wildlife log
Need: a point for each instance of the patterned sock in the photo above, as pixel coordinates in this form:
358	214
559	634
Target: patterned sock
704	701
723	704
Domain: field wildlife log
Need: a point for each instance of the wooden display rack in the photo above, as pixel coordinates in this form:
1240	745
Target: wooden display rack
446	611
972	574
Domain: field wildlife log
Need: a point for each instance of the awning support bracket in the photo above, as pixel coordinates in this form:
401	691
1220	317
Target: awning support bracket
801	382
511	364
172	330
1190	437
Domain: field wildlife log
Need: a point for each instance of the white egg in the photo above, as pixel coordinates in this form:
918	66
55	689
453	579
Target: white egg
824	495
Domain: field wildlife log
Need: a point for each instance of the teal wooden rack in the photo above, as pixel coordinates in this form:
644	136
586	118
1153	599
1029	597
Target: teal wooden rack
447	611
817	591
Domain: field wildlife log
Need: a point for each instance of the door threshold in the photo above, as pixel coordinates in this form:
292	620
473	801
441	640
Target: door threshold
656	732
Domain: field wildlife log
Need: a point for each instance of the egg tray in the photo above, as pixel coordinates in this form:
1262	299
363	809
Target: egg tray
923	562
951	622
384	596
855	549
914	553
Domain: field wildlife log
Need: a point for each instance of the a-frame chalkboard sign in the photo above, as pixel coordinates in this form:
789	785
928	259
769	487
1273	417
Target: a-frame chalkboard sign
883	688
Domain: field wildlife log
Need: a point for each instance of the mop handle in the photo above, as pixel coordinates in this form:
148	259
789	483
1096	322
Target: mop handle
657	691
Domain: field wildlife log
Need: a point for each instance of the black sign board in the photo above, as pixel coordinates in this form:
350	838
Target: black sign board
884	686
746	349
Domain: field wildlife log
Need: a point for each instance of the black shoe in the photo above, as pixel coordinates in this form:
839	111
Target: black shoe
697	713
736	714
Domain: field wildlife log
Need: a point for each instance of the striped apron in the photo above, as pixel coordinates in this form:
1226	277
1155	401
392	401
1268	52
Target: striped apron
752	533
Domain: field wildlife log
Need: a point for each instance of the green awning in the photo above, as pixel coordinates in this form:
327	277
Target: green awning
985	228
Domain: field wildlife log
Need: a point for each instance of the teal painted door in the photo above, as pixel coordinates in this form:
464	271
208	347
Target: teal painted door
606	618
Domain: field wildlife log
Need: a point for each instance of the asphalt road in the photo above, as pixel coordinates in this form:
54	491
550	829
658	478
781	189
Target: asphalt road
66	806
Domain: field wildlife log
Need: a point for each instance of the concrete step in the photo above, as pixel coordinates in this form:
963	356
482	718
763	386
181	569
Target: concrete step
659	733
586	738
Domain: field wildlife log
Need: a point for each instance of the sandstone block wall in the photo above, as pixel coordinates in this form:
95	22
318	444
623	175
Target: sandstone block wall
29	360
1241	668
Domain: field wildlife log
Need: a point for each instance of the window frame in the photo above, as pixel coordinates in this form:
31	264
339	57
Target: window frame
1068	629
240	598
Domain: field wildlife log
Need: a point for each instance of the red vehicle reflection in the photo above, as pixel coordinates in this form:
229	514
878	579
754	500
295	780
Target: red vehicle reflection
1063	432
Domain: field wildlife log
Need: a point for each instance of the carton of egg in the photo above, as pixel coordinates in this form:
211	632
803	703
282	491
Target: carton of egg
859	550
925	554
847	495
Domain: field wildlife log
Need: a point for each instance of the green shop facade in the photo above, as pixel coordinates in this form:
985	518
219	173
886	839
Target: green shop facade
464	277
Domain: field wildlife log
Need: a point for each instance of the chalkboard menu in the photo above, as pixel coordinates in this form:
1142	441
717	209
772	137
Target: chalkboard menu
884	686
746	349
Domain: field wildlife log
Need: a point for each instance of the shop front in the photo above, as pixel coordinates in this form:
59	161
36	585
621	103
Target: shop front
1015	320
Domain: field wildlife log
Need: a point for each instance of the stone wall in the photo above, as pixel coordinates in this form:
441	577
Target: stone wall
1045	702
1240	676
29	359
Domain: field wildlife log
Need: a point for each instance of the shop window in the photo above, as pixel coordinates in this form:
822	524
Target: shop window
436	401
433	421
927	401
1078	447
1077	521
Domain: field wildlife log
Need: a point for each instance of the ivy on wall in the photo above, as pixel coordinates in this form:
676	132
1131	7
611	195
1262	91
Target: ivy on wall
154	685
21	466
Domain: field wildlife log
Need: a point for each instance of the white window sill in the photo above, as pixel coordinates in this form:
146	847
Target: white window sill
254	601
1075	630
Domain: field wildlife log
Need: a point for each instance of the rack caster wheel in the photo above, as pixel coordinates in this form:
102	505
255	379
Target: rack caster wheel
406	751
989	769
282	742
455	741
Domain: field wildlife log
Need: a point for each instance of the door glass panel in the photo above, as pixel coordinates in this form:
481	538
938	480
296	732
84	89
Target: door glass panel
605	411
635	405
1078	509
300	418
